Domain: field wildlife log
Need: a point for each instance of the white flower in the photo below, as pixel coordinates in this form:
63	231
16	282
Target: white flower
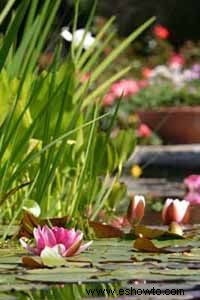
79	34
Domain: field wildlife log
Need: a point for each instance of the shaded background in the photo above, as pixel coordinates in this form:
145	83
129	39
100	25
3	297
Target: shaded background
182	17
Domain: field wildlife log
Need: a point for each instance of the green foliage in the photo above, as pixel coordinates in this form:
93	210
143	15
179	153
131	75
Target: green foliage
52	149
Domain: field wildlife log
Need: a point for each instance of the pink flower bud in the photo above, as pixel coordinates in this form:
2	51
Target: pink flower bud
176	211
136	208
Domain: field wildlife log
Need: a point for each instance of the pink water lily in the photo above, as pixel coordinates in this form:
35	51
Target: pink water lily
192	182
67	242
176	211
193	198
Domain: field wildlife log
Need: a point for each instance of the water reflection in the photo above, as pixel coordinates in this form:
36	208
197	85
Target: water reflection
65	292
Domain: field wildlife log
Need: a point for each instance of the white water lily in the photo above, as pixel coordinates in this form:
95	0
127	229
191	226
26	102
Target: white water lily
80	35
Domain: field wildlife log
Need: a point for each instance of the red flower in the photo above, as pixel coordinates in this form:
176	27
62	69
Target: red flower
161	32
146	72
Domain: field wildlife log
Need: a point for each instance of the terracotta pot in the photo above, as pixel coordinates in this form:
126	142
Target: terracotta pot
177	125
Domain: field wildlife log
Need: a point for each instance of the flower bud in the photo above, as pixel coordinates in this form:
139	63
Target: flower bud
176	211
136	208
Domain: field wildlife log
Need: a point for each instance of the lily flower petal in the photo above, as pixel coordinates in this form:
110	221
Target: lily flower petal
26	246
48	236
75	246
51	257
84	247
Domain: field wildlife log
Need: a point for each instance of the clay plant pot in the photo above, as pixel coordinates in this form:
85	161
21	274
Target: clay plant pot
176	125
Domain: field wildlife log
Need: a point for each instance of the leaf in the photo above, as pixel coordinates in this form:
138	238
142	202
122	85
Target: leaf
59	275
152	233
146	245
13	31
29	222
27	225
106	231
117	194
32	262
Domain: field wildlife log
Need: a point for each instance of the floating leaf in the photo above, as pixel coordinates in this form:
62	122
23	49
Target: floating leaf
152	233
147	232
146	245
106	231
32	262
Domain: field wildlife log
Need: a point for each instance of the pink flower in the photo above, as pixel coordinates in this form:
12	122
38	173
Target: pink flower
161	32
144	131
67	242
142	84
136	208
125	88
177	60
176	211
193	198
193	183
109	99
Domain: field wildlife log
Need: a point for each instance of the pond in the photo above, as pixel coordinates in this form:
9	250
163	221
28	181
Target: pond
112	266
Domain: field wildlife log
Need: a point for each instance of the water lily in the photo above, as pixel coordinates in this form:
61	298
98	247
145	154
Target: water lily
193	198
192	182
136	208
79	36
53	244
176	211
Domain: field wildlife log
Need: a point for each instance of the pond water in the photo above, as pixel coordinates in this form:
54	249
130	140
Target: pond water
109	266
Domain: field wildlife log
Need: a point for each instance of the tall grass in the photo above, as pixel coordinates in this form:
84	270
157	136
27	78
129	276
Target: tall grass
52	149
